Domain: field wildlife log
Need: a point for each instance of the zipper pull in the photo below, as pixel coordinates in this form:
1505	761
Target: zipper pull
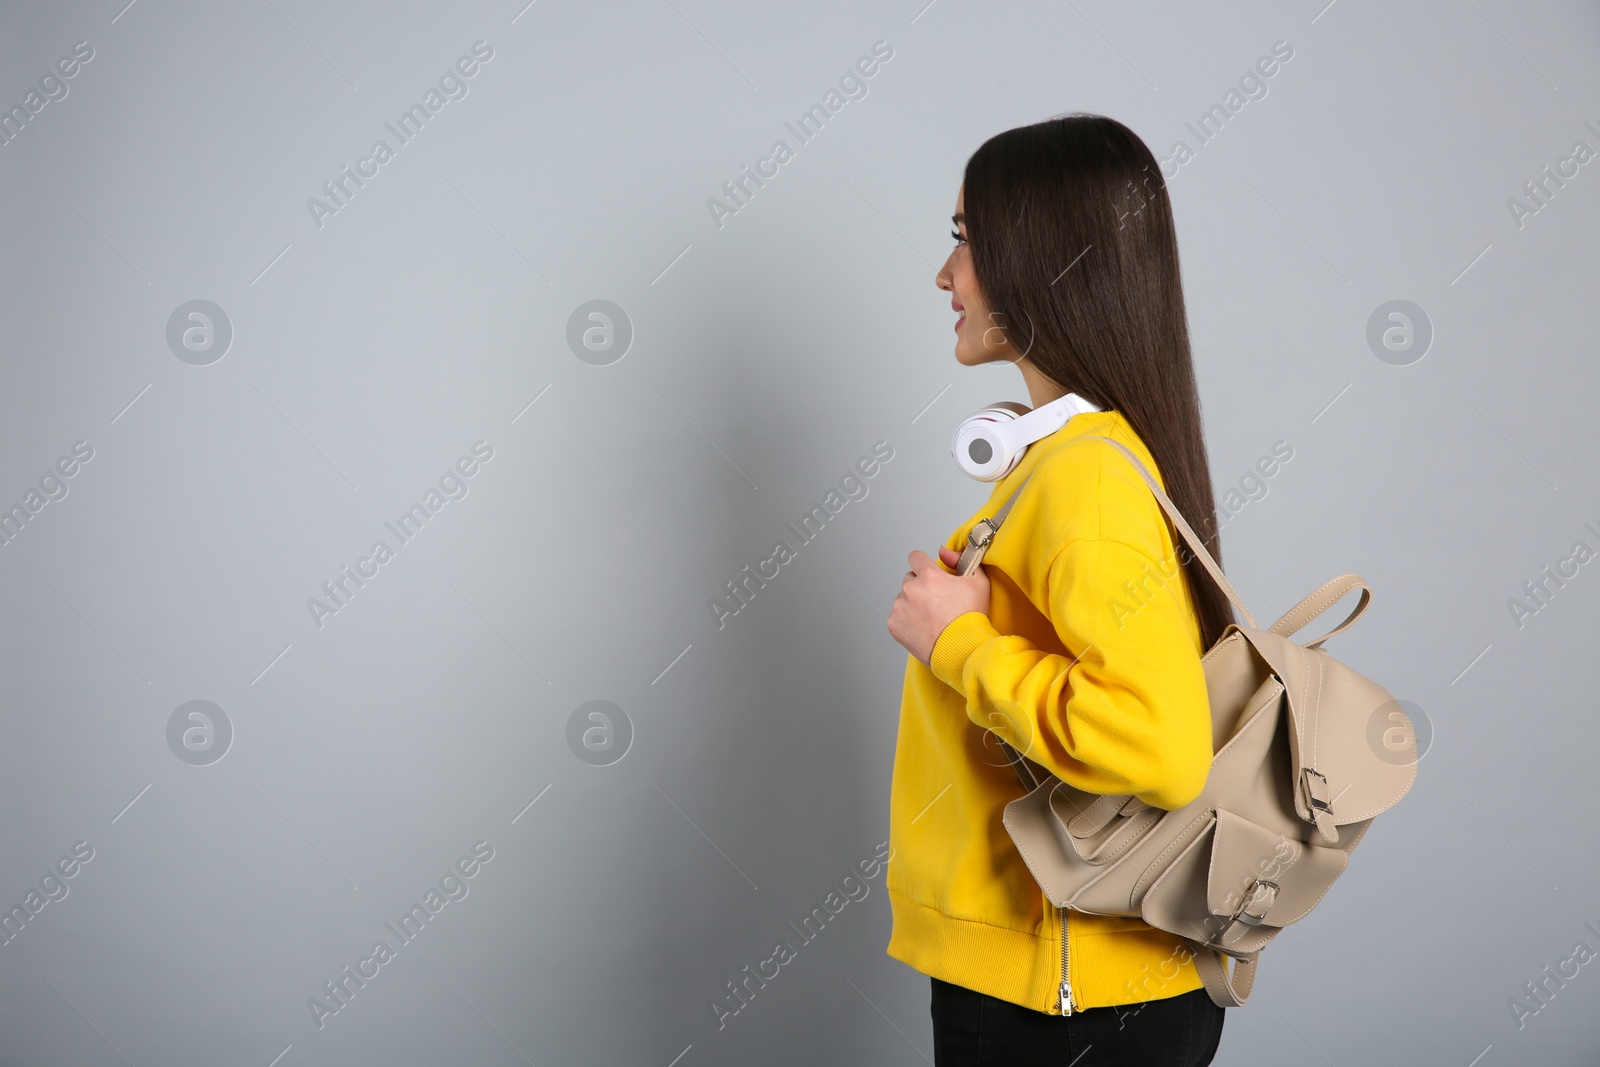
1066	997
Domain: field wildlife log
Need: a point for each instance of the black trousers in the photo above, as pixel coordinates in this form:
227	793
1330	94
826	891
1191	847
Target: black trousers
973	1029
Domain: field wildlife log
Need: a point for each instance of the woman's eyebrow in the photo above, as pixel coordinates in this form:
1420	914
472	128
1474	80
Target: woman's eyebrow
958	218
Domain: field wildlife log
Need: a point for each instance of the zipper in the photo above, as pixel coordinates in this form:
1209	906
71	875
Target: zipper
1066	980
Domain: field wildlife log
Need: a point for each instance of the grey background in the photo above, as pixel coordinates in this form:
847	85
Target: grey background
767	357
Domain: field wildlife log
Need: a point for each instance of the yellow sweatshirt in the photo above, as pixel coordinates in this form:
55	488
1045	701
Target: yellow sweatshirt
1088	662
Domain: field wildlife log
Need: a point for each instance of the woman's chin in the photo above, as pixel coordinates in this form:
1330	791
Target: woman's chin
967	358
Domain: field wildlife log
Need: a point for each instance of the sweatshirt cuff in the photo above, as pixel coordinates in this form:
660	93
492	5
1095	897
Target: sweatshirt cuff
956	642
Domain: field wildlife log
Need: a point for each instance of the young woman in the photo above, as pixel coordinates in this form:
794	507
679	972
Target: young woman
1079	640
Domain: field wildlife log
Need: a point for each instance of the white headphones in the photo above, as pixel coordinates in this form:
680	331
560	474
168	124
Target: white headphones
990	443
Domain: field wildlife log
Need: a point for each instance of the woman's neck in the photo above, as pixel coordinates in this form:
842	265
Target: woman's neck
1041	390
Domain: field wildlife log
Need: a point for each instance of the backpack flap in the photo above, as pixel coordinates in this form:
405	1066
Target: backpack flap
1349	759
1260	881
1235	883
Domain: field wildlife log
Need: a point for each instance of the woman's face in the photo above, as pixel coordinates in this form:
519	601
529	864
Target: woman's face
979	336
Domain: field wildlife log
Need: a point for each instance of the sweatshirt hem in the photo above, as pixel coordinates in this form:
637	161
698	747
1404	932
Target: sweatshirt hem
1024	968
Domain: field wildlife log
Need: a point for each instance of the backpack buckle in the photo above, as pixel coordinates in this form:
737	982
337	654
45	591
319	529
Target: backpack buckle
1257	902
1252	911
988	535
1316	790
1319	805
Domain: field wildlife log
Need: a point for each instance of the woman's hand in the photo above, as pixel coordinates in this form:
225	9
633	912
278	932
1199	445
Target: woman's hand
931	597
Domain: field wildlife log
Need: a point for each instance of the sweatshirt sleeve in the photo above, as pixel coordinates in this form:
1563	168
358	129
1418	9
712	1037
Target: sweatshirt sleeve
1127	712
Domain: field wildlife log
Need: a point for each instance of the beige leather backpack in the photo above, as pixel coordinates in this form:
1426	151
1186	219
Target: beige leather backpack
1307	753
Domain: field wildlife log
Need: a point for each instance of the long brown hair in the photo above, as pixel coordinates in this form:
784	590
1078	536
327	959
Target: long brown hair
1076	253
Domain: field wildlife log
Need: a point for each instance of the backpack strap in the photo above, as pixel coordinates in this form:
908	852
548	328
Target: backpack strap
1224	990
980	536
1195	544
978	539
984	530
1296	617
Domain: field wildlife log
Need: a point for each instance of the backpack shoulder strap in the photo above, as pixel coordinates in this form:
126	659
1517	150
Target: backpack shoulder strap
1192	539
983	532
1225	990
978	539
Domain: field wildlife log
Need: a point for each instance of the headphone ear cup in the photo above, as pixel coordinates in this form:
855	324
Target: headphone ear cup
981	447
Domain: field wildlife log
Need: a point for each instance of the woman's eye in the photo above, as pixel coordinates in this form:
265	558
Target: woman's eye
958	238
